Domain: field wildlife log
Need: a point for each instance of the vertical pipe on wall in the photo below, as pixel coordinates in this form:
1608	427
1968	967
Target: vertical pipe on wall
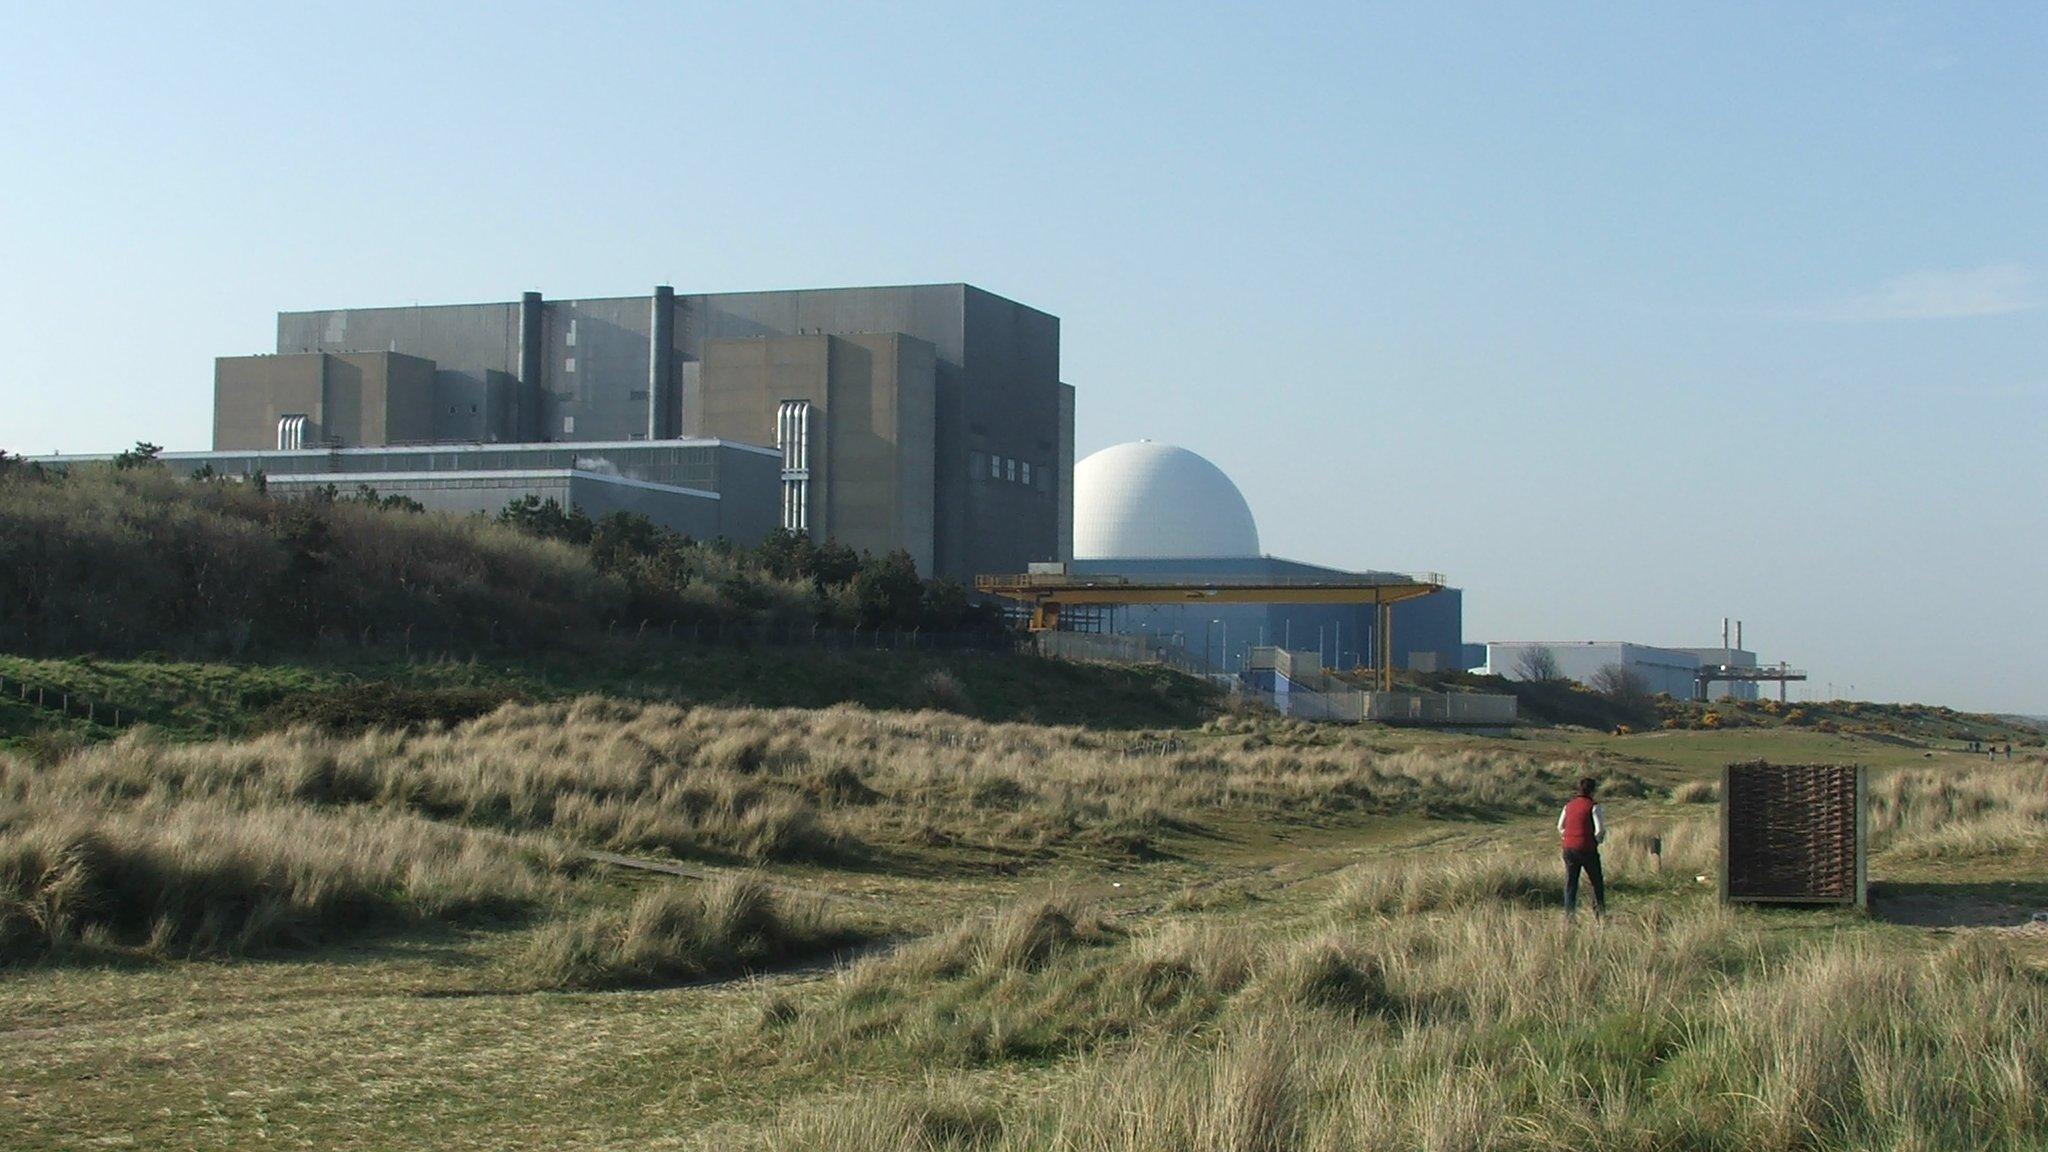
526	406
661	349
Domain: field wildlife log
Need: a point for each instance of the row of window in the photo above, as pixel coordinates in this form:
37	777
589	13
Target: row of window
449	485
692	467
1010	470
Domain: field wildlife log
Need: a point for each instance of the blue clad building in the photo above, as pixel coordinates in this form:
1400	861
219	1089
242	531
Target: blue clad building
1150	510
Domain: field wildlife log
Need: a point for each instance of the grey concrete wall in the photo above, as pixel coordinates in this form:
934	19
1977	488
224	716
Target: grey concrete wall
880	444
250	394
356	399
407	409
461	410
931	312
744	380
1065	495
1010	406
995	390
916	366
463	340
750	495
353	391
594	359
466	409
871	396
693	516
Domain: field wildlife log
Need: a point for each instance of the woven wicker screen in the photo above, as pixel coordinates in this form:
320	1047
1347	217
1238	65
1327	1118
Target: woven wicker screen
1792	833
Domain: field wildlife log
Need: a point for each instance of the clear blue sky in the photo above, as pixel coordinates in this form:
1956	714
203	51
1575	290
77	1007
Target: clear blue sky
1628	317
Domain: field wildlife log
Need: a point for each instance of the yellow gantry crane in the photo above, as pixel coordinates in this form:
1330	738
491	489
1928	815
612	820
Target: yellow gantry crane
1047	592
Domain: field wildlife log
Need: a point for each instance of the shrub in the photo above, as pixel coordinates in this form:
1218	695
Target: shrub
379	704
941	689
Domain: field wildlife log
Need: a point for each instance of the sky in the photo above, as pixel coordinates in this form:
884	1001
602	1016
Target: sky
1625	317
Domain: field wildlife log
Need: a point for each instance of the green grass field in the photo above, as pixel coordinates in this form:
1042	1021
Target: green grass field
203	700
1161	928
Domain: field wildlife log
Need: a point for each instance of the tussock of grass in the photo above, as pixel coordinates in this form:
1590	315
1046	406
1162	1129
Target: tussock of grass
1697	792
1020	938
1334	973
672	934
1431	884
1208	956
199	879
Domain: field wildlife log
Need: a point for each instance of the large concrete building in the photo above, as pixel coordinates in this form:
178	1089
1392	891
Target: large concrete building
929	418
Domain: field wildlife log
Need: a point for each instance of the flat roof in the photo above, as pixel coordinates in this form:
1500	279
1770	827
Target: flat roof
650	296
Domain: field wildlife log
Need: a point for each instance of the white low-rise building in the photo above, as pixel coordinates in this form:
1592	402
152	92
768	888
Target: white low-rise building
1670	670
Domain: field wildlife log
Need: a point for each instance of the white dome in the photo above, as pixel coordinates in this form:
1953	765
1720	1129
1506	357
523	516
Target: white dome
1144	501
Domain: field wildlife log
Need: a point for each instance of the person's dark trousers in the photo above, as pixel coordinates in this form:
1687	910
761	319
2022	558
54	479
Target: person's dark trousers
1590	863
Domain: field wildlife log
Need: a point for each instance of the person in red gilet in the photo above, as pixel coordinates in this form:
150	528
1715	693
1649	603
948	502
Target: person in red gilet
1583	830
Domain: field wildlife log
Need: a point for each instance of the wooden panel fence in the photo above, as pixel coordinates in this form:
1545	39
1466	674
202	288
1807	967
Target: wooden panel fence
1793	833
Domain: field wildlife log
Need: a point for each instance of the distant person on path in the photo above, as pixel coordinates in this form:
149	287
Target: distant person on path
1582	829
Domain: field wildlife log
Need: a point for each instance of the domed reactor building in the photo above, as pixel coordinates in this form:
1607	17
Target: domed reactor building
1146	510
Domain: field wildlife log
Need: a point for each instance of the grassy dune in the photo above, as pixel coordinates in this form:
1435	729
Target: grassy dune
1496	1028
1248	935
801	785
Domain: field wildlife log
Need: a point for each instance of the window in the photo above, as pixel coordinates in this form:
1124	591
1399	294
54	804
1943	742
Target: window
571	340
568	425
1027	472
569	365
1011	467
974	463
995	467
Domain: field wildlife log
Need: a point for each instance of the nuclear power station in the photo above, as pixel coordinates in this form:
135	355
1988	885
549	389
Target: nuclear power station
930	419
